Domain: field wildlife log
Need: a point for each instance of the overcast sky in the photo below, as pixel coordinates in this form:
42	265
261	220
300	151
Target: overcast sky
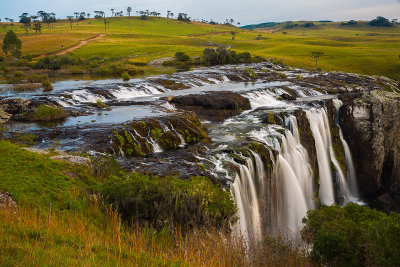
245	11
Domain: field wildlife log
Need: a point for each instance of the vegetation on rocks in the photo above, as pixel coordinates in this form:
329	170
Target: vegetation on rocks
46	113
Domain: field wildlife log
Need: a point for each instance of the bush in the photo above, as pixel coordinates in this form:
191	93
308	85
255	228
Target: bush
100	104
353	236
181	57
47	86
170	201
250	73
56	62
106	166
1	59
380	22
46	113
37	78
125	76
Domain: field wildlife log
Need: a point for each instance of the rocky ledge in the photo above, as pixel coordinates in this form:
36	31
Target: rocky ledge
213	106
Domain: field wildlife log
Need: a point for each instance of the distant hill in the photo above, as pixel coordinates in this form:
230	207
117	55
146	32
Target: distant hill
260	26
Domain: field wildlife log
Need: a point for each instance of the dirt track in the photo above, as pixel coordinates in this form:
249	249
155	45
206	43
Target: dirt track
82	43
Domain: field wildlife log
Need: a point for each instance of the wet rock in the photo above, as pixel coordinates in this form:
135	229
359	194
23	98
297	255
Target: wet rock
172	85
213	106
7	202
147	136
24	109
371	125
4	116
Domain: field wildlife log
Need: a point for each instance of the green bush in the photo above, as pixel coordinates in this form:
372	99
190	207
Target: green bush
170	201
125	76
46	113
106	166
56	62
100	104
181	57
353	236
47	86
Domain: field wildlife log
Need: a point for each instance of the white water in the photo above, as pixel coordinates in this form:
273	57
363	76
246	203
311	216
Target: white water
320	128
351	172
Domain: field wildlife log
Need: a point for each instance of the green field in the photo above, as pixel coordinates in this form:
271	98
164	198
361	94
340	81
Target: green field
360	48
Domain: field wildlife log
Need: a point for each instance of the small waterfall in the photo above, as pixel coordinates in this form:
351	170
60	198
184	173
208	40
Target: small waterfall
351	171
245	195
320	128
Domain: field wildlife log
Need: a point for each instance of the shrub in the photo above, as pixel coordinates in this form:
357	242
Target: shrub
1	59
18	74
46	113
100	104
106	166
353	236
380	22
26	87
47	86
56	62
125	76
170	201
181	57
250	73
37	78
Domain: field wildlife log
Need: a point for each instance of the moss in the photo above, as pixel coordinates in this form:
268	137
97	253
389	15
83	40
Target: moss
156	133
169	84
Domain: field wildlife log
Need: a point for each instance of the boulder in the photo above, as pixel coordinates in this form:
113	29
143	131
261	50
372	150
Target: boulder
213	106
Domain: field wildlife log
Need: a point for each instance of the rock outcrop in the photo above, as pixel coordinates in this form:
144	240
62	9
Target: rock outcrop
7	202
214	106
371	124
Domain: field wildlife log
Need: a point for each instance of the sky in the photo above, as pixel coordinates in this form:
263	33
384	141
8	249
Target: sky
243	11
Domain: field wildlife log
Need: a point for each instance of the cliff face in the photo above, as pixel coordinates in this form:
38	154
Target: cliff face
371	124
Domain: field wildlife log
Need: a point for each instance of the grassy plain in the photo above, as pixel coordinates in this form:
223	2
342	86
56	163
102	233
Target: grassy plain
358	48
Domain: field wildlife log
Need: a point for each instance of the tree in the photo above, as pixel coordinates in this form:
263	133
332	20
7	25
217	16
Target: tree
316	55
88	15
112	12
233	35
380	22
183	17
106	21
129	10
37	26
70	20
12	45
24	18
76	17
168	13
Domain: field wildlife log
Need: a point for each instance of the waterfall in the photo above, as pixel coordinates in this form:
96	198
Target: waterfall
246	197
275	205
351	171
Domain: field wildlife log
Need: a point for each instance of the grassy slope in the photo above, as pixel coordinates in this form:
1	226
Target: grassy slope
361	48
81	231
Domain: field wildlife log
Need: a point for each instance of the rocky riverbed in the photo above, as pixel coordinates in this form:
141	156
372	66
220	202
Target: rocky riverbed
239	125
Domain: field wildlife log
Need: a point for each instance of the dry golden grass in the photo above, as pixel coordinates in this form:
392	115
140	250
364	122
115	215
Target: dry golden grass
97	237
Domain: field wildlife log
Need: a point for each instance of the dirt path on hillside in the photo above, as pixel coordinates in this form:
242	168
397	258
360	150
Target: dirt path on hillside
72	48
82	43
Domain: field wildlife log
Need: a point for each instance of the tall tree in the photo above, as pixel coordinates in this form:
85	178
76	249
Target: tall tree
76	17
37	26
88	15
70	20
129	10
168	13
12	45
112	12
316	55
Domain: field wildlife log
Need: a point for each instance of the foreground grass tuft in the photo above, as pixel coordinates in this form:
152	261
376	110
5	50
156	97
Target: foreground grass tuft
47	113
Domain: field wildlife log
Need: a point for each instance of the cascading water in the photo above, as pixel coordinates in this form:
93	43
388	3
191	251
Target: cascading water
319	125
351	171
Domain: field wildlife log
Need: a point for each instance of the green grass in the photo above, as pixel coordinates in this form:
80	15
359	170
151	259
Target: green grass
361	48
47	113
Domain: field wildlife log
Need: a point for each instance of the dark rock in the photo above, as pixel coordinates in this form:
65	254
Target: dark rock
213	106
371	124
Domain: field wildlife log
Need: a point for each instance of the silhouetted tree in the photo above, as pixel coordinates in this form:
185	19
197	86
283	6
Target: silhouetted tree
37	26
112	12
316	55
70	20
24	18
129	10
77	17
11	44
233	35
380	22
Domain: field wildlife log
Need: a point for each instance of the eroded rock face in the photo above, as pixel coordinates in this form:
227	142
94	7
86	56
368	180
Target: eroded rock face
215	106
371	124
